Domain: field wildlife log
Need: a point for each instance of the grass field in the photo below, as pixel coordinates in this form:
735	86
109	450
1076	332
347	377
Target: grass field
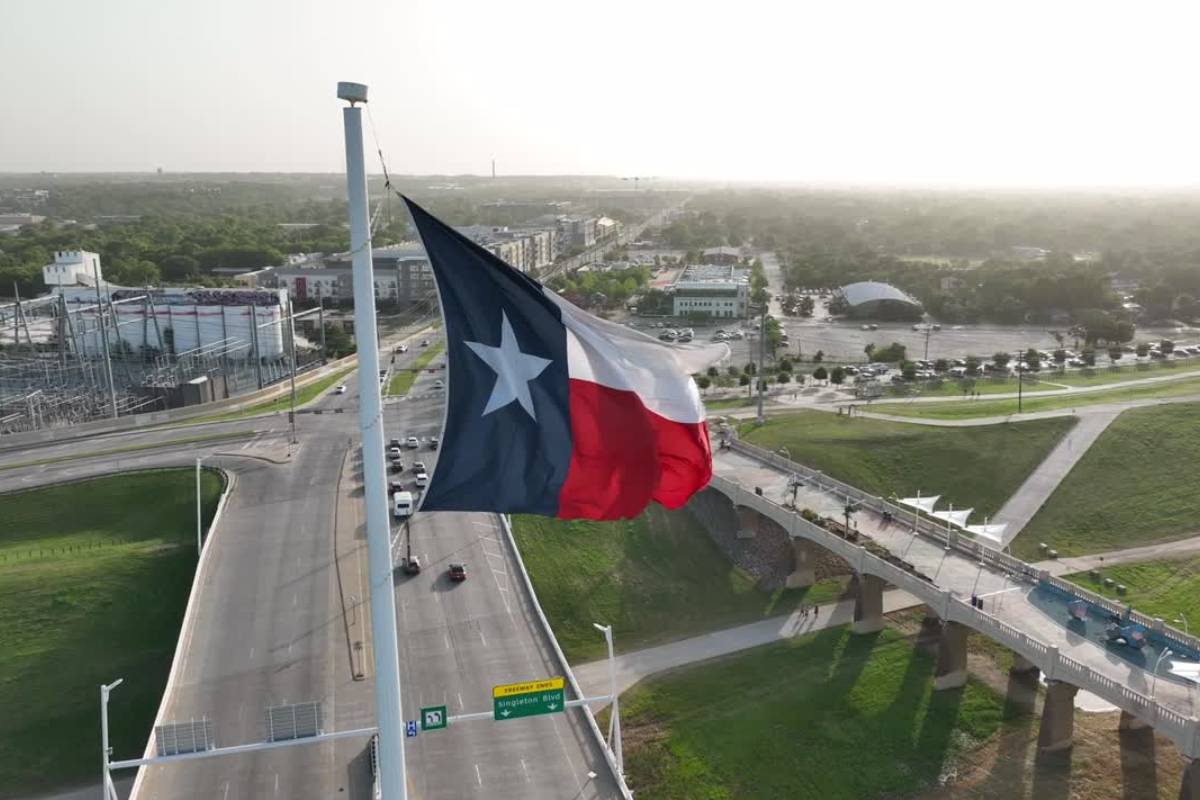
827	716
94	577
1132	487
404	377
657	578
993	408
971	467
730	402
304	394
1158	588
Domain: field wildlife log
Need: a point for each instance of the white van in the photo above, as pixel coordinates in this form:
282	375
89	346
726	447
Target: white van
402	505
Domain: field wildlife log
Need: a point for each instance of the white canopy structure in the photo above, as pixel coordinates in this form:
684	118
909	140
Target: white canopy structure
958	518
925	504
992	532
1188	670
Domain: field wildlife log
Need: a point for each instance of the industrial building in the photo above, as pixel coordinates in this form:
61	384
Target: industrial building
875	300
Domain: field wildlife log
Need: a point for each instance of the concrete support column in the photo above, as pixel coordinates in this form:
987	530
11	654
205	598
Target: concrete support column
804	564
1131	723
747	522
868	604
952	657
1190	790
1023	664
1058	717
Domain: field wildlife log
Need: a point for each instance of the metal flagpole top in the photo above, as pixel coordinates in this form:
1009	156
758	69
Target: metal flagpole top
352	92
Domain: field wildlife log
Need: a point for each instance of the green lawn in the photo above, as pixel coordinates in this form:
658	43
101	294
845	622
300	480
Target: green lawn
657	578
1158	588
94	578
404	377
1101	376
304	394
827	716
991	408
1132	487
956	387
731	402
976	467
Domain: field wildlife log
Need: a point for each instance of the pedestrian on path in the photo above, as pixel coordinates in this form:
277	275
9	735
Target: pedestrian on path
816	612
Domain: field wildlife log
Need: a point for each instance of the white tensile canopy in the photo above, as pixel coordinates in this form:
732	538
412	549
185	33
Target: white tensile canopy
958	518
925	504
993	532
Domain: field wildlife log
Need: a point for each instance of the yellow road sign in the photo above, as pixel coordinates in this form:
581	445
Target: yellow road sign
528	687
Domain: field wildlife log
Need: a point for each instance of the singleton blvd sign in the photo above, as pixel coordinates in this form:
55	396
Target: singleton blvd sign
527	699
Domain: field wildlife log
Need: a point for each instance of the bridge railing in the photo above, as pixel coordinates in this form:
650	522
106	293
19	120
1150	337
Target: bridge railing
963	543
1056	666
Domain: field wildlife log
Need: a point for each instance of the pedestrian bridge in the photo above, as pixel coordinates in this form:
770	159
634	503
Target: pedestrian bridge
885	544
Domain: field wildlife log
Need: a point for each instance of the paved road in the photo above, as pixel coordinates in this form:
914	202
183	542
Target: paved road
459	640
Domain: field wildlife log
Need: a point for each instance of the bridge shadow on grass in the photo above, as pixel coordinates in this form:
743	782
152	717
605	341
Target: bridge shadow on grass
1006	778
1052	776
1139	771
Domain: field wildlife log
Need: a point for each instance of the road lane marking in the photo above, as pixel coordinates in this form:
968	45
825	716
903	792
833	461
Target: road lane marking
225	796
525	769
460	702
446	639
482	638
478	777
276	783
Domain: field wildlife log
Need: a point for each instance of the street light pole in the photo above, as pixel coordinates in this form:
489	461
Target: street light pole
106	785
1154	685
199	524
762	357
614	720
1184	620
388	711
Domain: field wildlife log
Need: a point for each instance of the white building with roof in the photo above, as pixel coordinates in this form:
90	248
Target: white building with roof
73	268
719	291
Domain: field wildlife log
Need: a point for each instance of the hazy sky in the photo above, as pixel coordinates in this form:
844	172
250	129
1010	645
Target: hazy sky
971	91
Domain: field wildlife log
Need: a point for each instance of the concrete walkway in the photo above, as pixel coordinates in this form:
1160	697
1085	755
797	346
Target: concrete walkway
1181	548
632	667
1042	482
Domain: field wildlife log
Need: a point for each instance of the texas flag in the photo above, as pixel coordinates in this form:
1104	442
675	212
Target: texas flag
550	410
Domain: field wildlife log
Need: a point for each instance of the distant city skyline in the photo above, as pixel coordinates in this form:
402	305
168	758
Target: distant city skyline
928	93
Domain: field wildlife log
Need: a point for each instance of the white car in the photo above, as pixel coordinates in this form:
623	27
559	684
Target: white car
394	453
412	443
439	384
341	389
422	479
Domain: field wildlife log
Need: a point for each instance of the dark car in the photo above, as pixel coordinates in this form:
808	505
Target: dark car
396	466
458	572
395	486
433	443
395	443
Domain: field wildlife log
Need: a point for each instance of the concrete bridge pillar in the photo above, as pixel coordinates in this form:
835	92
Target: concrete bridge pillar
1058	717
952	657
1131	723
868	604
747	522
1023	664
804	564
1190	790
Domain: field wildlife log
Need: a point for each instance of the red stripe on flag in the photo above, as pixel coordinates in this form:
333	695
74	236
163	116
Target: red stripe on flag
623	456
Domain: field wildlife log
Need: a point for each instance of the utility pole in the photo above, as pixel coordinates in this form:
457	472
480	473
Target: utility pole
388	712
109	791
762	356
112	389
199	523
292	347
321	321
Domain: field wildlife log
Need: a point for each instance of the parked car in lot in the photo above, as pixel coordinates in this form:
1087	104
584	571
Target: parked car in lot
412	443
396	466
394	443
394	453
457	572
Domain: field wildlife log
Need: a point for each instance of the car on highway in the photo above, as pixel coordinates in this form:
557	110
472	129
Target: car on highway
395	486
424	343
341	389
433	442
394	453
422	479
439	384
457	572
402	505
401	348
394	443
396	466
412	443
412	566
419	466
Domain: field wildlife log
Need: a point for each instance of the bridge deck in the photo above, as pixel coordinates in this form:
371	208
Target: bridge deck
1005	598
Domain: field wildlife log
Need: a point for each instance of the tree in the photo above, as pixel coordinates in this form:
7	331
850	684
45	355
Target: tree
337	341
703	382
1060	356
1001	360
818	357
750	368
1033	359
785	365
908	370
892	354
869	350
1143	349
733	371
941	365
743	380
819	374
1089	357
1166	346
783	377
837	376
972	365
1114	354
713	372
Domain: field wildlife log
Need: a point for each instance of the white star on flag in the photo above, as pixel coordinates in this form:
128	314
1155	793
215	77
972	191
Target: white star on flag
514	369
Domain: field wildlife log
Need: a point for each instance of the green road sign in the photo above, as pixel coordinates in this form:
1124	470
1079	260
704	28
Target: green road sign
433	718
527	699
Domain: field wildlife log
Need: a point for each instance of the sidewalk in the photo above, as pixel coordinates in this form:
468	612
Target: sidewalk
632	667
1181	548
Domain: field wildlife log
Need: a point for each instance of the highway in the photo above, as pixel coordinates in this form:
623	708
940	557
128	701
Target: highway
459	640
281	618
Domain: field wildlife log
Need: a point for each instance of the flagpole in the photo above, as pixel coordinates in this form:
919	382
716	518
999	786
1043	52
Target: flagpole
370	422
